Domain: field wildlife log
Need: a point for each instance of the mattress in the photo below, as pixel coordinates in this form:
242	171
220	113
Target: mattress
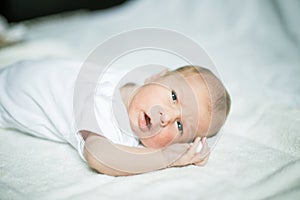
255	46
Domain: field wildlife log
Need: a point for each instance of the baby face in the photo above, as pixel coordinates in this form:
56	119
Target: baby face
170	109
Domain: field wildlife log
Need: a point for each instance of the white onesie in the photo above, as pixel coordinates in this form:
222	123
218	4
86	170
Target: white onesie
36	97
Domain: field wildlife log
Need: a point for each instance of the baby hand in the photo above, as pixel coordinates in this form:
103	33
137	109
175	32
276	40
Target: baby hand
193	156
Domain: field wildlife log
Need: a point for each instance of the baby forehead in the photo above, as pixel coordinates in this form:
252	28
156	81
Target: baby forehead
190	110
191	80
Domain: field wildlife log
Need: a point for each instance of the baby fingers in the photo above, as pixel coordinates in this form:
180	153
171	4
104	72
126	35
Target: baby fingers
202	162
201	158
205	148
193	148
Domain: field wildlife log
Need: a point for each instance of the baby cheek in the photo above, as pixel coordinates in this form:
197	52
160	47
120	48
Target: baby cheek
163	139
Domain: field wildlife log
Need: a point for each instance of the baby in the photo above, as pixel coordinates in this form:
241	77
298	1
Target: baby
168	112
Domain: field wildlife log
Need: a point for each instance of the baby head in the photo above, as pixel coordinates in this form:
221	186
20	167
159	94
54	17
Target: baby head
176	106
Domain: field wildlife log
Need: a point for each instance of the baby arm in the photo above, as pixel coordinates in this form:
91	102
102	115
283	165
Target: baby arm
119	160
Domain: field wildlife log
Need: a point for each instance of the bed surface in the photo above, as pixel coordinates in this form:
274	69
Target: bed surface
255	46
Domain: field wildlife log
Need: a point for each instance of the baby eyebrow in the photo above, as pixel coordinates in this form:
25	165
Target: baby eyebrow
190	132
188	125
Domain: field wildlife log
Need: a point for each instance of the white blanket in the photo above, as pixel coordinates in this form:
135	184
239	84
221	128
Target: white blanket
255	45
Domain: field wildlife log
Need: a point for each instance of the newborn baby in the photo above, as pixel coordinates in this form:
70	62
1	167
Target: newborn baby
168	112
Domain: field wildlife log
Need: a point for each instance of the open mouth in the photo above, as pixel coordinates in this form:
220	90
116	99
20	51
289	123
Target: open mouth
144	121
148	120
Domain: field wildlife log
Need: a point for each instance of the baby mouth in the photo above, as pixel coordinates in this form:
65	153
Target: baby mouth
144	121
148	121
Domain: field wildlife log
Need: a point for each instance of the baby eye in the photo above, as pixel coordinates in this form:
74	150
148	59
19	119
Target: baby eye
174	96
180	127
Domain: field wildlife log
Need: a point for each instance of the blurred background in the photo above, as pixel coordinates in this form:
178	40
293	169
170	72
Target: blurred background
19	10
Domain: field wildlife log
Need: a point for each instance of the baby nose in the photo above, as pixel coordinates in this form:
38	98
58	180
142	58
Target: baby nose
169	116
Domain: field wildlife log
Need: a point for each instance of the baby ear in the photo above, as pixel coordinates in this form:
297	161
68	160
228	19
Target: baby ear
156	76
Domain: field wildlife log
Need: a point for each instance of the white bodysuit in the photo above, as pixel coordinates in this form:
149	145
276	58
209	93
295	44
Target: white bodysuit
36	97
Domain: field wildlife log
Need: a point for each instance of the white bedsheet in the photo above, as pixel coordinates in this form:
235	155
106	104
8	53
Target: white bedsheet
255	45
